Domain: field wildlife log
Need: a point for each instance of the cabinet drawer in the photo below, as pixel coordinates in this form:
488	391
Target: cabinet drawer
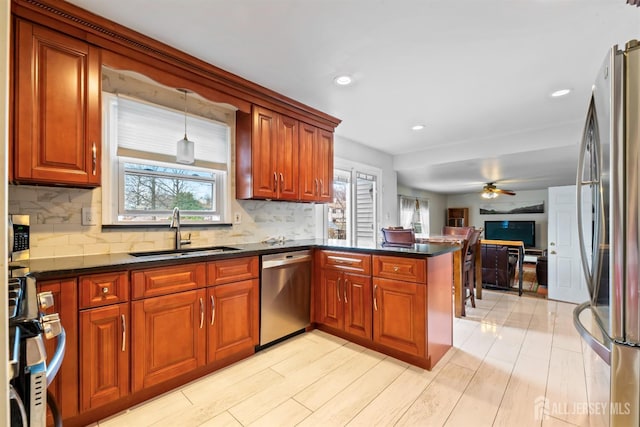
346	261
165	280
407	269
232	270
103	289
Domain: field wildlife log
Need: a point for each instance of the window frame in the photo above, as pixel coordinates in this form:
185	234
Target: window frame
113	176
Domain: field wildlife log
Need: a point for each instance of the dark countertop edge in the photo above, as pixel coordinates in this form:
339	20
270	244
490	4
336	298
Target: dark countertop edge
65	267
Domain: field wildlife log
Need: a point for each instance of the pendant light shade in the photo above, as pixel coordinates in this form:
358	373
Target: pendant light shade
185	149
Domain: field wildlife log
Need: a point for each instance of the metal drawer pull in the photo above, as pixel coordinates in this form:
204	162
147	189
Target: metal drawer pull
338	289
105	290
94	158
201	313
375	297
213	310
124	332
341	260
344	290
396	268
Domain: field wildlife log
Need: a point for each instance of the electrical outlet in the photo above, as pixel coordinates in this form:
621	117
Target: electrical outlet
89	217
237	218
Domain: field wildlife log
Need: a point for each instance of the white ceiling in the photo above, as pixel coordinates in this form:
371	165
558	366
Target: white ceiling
477	73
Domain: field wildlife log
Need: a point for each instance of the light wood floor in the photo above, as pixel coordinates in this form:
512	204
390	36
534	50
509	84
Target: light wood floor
509	355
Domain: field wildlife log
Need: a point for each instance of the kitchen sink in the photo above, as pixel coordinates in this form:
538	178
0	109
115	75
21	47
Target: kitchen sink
174	253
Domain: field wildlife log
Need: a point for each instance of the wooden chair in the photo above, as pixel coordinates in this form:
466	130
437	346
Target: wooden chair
394	236
469	269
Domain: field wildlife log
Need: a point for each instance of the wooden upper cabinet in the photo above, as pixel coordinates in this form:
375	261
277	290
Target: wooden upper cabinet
57	123
316	164
324	165
287	165
282	158
271	144
264	153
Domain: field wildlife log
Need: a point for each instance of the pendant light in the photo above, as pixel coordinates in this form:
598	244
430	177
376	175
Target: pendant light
185	148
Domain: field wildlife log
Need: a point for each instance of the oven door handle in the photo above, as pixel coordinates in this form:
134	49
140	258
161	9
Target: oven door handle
13	395
56	360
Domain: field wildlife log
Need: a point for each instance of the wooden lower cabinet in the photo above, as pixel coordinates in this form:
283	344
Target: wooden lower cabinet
65	385
345	302
168	337
399	316
104	355
233	319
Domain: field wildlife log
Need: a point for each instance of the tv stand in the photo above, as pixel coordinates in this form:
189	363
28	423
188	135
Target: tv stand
532	254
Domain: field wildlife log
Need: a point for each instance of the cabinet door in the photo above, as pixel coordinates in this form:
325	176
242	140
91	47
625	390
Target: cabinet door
65	385
104	355
331	308
399	316
316	164
57	108
288	170
324	165
233	317
168	337
264	153
309	183
357	304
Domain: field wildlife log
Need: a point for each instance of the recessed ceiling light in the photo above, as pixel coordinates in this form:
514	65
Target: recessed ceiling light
343	80
417	127
561	92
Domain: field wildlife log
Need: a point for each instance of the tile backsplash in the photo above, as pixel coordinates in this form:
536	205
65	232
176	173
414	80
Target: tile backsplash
57	230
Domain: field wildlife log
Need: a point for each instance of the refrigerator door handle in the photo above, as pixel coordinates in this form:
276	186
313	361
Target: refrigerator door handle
602	349
579	185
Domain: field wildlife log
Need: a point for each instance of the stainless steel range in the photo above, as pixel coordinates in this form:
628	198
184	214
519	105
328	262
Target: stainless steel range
28	370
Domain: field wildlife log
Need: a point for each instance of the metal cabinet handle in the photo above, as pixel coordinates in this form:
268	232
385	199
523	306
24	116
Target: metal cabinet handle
344	290
201	313
338	289
321	187
275	182
396	268
316	184
105	290
94	158
213	310
375	297
553	252
124	332
281	182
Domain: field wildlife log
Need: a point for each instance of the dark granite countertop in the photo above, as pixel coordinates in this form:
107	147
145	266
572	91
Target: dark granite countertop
50	268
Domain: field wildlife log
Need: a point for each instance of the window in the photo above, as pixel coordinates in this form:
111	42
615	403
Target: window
414	213
352	215
143	183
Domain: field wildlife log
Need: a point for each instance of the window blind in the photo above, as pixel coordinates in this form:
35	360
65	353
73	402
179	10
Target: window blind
151	132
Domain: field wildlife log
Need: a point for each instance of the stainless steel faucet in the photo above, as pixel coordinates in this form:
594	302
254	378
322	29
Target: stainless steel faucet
175	224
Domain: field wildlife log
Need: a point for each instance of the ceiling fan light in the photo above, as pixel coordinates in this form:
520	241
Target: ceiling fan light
489	195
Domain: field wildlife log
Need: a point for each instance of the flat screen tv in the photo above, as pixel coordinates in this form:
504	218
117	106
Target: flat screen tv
524	231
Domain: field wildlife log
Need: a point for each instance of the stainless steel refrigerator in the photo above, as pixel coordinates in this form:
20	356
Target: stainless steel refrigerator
608	191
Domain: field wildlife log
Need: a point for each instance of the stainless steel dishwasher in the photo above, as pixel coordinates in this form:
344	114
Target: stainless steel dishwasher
285	295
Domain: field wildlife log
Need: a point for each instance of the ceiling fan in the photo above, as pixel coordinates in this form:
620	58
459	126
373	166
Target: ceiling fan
490	191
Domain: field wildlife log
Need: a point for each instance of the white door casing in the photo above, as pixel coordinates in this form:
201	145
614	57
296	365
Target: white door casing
566	281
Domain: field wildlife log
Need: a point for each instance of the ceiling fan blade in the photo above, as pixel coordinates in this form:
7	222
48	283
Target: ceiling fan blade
505	192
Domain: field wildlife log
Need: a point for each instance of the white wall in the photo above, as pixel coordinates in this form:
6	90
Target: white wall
473	202
437	206
350	150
